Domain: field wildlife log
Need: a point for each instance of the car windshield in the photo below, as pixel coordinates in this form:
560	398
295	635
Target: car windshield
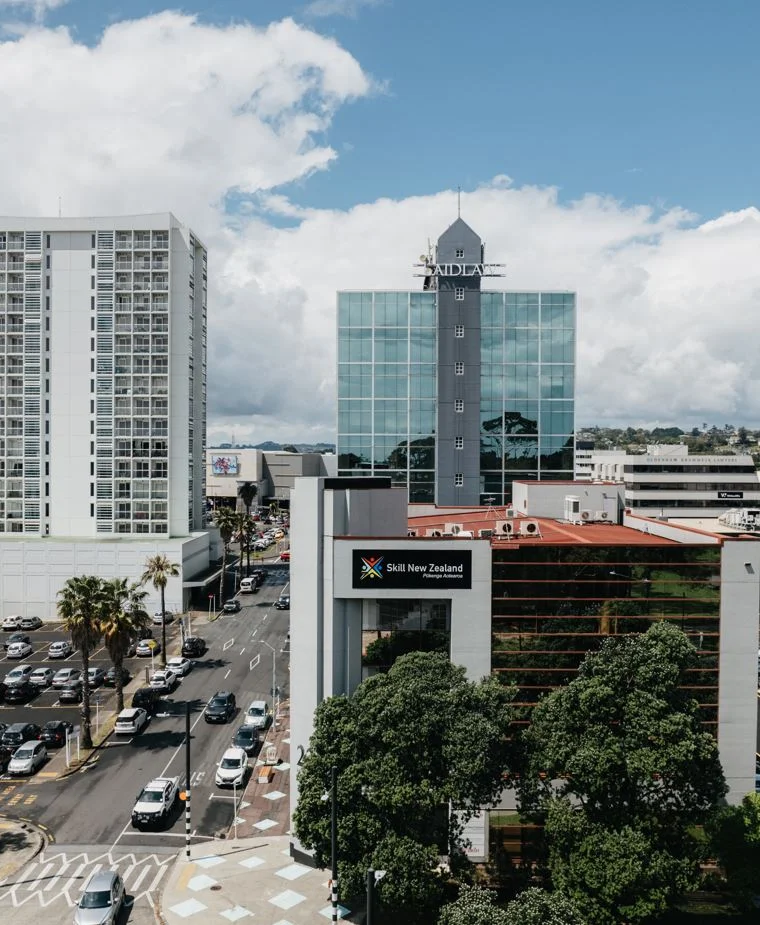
256	711
217	702
230	762
24	752
244	734
96	900
150	796
16	673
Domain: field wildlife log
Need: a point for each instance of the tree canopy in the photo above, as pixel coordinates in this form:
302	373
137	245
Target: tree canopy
620	770
407	745
734	833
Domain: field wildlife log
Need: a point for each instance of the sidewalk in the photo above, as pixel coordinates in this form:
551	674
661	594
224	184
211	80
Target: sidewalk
20	843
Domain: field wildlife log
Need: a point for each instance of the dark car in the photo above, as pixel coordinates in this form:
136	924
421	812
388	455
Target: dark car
19	733
232	606
5	756
146	698
17	637
246	738
21	693
54	733
283	602
110	678
259	574
220	708
193	647
71	693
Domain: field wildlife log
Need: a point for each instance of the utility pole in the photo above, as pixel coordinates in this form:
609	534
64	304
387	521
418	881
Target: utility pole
187	780
370	897
334	839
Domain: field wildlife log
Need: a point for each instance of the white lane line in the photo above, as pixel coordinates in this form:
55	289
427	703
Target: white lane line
228	644
253	636
157	879
229	672
242	650
135	885
168	835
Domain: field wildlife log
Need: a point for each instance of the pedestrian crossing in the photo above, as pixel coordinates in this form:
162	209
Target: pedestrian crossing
57	877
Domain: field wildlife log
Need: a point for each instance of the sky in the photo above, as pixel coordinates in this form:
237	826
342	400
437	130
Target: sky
313	146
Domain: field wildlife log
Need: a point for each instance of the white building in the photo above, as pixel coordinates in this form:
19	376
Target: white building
102	383
668	482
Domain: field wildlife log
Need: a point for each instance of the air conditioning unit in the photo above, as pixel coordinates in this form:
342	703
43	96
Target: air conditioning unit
485	534
453	528
464	535
587	517
530	528
602	515
434	533
412	533
504	528
510	512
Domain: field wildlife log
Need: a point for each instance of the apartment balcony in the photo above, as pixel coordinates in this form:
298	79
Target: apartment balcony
160	285
14	286
123	264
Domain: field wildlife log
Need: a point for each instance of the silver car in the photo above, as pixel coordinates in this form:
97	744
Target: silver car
27	758
101	899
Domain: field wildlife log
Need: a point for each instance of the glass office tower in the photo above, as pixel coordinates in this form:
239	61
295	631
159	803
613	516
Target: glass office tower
455	392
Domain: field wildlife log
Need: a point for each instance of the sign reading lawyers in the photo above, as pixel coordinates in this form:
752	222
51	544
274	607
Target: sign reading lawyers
404	568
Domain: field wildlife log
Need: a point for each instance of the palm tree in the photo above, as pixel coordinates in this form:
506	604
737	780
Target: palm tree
79	607
225	520
247	492
123	615
158	570
246	529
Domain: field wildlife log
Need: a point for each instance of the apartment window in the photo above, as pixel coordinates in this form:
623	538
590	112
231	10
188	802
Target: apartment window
459	293
459	480
460	253
459	368
459	405
458	330
458	443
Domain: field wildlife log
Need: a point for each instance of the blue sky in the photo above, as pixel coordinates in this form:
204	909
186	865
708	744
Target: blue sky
650	102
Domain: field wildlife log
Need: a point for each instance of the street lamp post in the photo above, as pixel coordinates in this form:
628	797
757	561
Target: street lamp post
373	878
334	840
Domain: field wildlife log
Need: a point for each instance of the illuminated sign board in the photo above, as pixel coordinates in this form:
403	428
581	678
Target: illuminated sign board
225	465
436	569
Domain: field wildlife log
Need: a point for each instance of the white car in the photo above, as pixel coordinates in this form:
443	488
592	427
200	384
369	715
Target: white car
164	680
65	676
30	623
60	649
42	677
179	665
12	623
257	715
159	618
19	650
18	675
131	721
232	769
27	758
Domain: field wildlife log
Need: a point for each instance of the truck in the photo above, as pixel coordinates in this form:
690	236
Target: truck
155	802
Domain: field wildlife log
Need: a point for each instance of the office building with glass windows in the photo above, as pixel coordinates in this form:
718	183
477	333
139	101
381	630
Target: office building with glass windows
456	391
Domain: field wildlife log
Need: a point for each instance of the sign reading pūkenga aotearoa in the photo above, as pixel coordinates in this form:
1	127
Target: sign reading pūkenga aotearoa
438	569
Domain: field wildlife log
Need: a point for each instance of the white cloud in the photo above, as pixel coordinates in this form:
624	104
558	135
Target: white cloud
350	8
167	113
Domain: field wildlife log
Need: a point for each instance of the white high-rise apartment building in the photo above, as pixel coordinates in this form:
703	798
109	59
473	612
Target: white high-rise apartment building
102	377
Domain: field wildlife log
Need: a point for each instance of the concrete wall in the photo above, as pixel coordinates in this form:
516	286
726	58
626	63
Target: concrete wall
547	499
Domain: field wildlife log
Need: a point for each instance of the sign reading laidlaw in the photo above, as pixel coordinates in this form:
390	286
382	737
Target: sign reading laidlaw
390	568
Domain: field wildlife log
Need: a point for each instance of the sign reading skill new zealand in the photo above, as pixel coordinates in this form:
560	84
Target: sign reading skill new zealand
389	568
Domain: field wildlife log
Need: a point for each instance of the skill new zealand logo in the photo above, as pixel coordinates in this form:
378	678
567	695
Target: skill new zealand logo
372	567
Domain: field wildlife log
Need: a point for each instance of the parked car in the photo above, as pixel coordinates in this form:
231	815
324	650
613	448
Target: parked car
54	732
30	623
164	680
130	721
18	733
5	757
42	677
258	715
96	676
60	649
12	622
249	585
246	738
160	618
110	678
71	693
194	647
285	555
147	698
282	602
260	574
147	647
18	675
64	676
27	758
232	606
220	708
179	665
19	649
101	900
14	638
232	769
21	693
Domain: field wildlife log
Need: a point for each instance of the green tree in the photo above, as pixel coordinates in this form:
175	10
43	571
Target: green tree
79	607
122	617
247	492
407	745
158	571
620	769
734	834
473	906
225	520
539	907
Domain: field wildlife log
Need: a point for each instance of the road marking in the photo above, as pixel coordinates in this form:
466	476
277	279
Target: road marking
254	662
229	672
253	634
228	644
41	876
242	650
135	884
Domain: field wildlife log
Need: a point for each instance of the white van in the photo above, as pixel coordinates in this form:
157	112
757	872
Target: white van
248	585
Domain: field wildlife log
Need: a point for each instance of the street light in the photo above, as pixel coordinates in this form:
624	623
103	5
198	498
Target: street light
373	878
332	796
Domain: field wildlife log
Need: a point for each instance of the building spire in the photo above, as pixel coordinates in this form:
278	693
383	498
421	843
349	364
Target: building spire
459	202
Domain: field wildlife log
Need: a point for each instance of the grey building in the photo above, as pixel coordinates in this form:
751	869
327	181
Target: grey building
456	391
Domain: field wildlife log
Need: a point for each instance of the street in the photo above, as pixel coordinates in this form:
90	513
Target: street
88	814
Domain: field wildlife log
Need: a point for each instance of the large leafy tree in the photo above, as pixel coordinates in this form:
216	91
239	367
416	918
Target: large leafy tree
79	607
158	570
473	906
734	833
408	745
225	520
247	492
122	617
621	771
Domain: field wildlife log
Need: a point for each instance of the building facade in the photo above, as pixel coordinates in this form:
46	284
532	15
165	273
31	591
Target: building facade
102	376
455	391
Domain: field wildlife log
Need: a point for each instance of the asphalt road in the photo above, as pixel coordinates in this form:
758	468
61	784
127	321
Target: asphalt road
93	807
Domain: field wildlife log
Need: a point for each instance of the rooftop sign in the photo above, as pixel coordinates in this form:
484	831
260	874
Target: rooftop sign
460	269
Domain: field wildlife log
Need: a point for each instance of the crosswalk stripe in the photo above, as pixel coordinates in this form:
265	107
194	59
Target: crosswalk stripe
41	876
135	885
157	879
92	873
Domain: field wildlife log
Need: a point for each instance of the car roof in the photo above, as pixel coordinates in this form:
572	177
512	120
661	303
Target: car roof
17	727
257	703
101	880
234	752
128	713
